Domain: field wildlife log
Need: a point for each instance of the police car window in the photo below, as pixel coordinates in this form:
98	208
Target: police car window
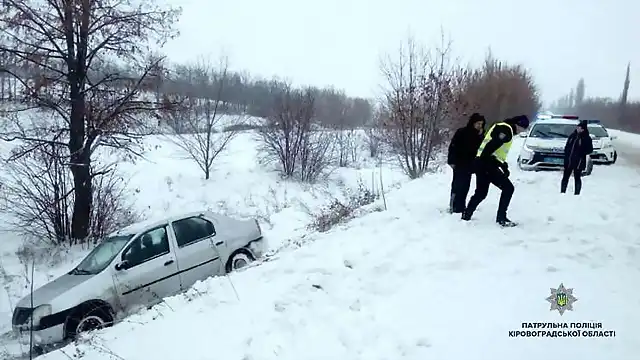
598	131
551	131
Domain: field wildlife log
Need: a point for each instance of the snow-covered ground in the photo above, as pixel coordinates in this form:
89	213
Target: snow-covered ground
627	145
410	282
166	181
625	137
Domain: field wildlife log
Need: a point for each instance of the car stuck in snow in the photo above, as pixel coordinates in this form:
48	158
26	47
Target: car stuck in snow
133	267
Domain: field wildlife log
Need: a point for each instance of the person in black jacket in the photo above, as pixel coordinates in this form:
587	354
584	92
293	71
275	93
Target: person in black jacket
579	146
462	152
491	167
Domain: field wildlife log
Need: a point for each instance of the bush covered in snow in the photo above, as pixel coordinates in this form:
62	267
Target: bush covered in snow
338	211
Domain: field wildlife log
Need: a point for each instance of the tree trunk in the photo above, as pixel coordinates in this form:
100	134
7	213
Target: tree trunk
80	168
82	204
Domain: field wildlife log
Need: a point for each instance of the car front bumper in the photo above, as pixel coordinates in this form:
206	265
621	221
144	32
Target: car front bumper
604	155
537	160
48	336
542	160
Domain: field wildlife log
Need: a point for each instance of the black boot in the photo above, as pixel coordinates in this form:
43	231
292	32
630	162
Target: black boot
505	222
466	215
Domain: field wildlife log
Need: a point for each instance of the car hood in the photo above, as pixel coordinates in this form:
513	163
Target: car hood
47	293
551	144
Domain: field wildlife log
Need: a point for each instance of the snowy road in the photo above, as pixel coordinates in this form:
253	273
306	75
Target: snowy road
628	146
629	152
415	283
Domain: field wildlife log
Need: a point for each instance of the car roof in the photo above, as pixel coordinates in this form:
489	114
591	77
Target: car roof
564	122
140	226
557	121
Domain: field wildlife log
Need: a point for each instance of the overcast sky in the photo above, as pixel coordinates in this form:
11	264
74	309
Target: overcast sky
340	42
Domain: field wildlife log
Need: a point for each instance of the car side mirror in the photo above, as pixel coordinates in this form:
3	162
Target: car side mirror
592	136
124	265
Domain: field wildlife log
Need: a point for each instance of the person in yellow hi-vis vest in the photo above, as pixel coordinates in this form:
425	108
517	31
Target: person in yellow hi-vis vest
491	167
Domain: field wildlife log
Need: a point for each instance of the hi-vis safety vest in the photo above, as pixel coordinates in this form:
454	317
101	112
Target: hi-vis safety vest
502	152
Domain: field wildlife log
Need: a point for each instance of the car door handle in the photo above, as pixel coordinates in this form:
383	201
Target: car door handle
219	243
168	263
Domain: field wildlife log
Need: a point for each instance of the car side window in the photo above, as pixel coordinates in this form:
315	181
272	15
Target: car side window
147	246
191	230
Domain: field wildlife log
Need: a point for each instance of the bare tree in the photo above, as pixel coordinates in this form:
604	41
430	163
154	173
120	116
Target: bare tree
373	131
290	137
499	90
197	123
580	92
64	53
344	133
38	193
419	104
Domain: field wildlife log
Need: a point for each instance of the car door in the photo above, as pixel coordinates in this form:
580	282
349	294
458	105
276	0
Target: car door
196	252
151	273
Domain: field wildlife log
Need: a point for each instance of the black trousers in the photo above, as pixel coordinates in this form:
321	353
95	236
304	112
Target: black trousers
460	188
577	176
491	174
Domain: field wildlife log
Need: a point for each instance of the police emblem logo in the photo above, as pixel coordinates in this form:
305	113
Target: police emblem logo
561	299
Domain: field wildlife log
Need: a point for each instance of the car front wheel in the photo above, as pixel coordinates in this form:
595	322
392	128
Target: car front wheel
93	319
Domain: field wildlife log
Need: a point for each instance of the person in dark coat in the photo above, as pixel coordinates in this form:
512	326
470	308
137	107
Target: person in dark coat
579	146
462	152
491	167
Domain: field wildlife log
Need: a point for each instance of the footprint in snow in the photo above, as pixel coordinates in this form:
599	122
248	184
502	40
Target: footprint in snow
513	243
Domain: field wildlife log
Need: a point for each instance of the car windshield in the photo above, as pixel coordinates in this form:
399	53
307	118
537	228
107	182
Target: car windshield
598	131
552	131
101	256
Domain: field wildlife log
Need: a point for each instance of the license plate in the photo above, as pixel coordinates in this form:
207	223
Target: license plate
553	160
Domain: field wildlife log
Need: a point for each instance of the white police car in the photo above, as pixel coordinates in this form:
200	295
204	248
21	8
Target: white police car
543	147
603	150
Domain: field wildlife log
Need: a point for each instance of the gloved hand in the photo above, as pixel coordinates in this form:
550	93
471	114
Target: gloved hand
505	169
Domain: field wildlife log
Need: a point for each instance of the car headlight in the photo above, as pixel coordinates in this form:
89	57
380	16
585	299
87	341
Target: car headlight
39	313
529	148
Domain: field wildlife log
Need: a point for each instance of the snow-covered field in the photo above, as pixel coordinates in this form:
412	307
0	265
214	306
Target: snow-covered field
166	181
410	282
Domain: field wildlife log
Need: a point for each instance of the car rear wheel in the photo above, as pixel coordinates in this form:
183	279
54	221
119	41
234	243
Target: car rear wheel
239	259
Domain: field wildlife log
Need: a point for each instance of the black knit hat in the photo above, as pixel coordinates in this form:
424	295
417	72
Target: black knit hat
520	120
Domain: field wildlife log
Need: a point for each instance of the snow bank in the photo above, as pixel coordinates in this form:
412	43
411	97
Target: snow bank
414	282
166	182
